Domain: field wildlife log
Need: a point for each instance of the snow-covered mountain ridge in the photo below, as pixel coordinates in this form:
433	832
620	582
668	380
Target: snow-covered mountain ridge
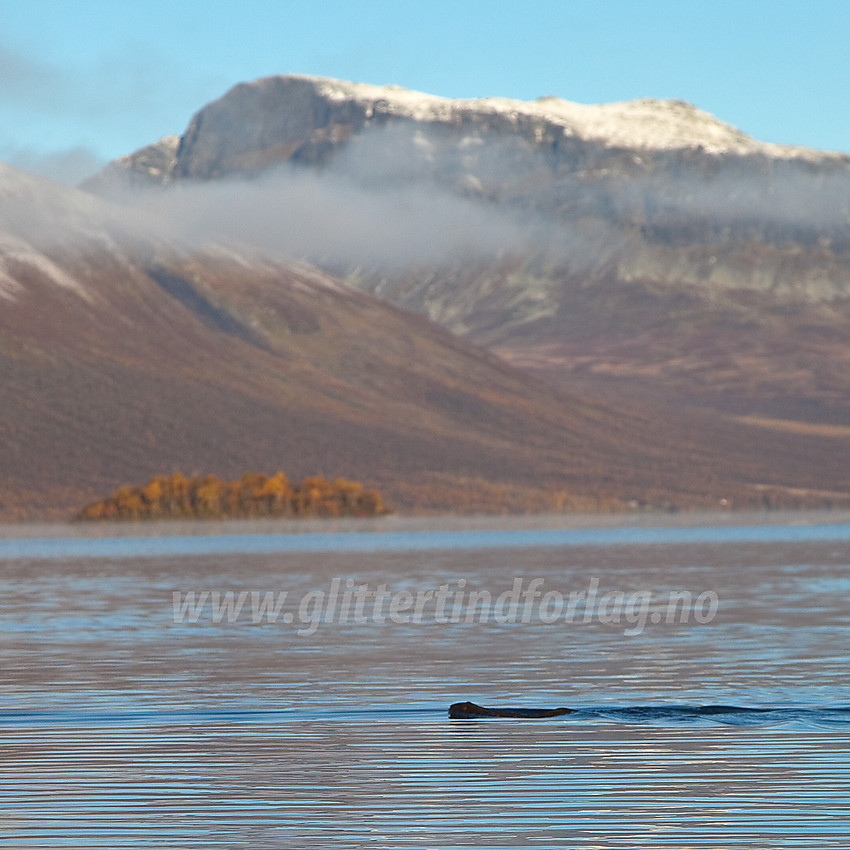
648	123
307	119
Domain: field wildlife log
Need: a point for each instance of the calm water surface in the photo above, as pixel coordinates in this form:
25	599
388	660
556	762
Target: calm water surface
139	712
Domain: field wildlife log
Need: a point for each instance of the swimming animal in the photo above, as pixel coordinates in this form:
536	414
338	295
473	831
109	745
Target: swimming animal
470	711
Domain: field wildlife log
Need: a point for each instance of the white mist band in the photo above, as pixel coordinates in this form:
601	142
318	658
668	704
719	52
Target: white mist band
526	601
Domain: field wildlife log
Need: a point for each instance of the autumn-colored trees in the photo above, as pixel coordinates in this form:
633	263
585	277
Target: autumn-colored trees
254	495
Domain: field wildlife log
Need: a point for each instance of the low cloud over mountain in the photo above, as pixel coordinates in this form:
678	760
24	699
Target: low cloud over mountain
640	305
640	240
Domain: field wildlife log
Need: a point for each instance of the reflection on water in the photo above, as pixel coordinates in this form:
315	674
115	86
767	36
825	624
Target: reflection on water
121	727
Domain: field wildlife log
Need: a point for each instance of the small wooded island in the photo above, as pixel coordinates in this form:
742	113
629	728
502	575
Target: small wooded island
253	496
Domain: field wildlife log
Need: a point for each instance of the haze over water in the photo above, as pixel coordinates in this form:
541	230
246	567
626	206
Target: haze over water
131	720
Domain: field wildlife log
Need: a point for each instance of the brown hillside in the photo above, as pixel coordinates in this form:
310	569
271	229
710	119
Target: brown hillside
645	255
122	357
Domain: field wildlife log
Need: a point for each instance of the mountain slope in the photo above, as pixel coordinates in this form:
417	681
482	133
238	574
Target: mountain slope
637	245
123	355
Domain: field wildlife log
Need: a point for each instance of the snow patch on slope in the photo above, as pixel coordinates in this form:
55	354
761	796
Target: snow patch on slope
17	251
9	287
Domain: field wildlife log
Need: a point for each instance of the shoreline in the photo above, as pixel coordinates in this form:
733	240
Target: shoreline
395	523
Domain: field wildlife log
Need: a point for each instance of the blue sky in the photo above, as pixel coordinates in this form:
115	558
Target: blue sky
83	81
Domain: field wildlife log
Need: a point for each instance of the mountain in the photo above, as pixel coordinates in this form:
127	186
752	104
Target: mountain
577	307
125	354
640	250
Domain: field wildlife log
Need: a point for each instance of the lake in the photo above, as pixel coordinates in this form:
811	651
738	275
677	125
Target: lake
273	685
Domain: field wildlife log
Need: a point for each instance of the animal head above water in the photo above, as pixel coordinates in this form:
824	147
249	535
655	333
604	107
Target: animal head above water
470	711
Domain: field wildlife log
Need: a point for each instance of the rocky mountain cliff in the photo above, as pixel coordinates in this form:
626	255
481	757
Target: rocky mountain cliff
644	249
